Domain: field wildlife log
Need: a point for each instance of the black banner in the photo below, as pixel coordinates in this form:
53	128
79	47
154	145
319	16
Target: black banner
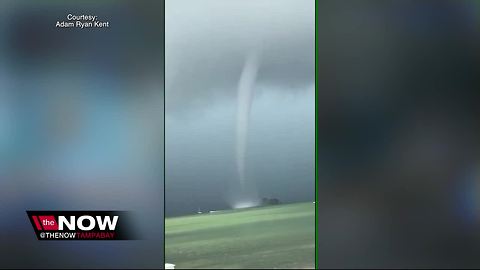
81	225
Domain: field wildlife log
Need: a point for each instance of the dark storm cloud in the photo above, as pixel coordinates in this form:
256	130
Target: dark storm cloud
207	43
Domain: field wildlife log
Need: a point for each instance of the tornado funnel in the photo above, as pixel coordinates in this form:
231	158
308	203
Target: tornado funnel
244	103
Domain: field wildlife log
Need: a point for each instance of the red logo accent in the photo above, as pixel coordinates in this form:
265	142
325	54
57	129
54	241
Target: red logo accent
49	223
37	223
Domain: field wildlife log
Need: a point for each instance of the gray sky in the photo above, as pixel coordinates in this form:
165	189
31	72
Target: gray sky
205	54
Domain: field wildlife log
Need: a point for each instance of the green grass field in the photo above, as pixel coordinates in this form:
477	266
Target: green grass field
266	237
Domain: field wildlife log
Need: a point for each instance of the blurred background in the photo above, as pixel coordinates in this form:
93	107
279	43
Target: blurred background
398	134
81	128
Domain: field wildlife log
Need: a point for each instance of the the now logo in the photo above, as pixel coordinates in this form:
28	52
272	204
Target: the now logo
80	225
99	221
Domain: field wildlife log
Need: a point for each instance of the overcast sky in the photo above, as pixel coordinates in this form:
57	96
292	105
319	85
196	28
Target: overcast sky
207	43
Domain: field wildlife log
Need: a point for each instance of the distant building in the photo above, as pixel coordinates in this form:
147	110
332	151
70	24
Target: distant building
270	201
